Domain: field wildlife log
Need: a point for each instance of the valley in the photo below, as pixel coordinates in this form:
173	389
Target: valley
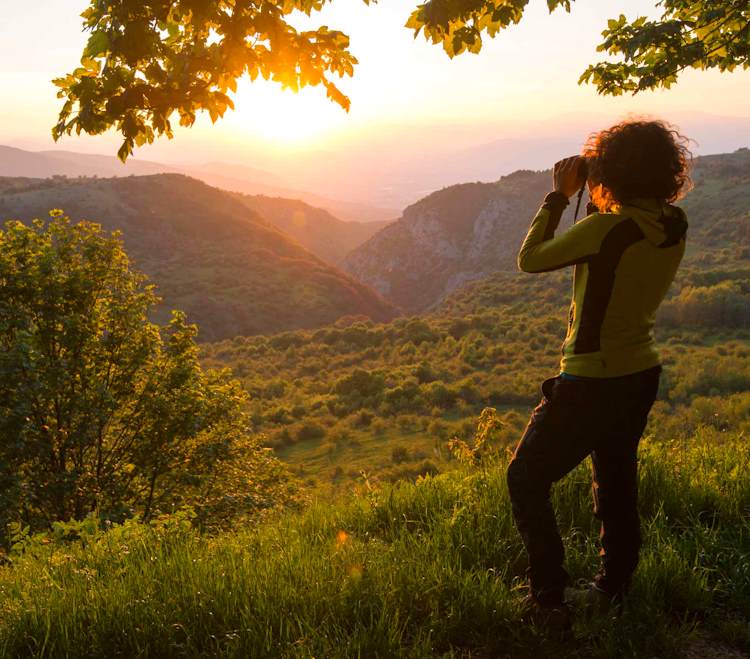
346	395
311	346
466	232
394	414
231	270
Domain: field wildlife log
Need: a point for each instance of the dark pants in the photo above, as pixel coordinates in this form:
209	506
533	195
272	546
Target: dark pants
601	417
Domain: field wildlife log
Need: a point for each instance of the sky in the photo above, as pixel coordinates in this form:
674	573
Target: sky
408	98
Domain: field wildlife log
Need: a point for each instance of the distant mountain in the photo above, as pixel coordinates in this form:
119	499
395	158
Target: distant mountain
228	176
468	231
243	172
233	272
450	237
315	228
398	164
43	164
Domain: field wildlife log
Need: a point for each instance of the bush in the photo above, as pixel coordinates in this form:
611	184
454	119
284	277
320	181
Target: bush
279	415
363	419
358	389
438	394
399	454
309	431
360	385
418	331
100	409
405	397
726	304
439	429
409	472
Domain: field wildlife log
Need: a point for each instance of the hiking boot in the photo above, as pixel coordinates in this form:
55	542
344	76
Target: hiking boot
590	598
555	619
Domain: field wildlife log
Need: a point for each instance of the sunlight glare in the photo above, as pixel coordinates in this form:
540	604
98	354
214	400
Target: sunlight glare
285	118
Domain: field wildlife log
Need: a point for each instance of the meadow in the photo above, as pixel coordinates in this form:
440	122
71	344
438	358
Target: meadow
425	569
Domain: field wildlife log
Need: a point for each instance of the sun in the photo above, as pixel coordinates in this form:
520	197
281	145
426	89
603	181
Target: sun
282	117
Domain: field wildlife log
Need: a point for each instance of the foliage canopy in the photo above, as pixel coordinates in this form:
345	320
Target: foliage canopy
146	61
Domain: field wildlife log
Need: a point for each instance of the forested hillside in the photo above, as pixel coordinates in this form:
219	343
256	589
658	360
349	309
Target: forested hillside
382	402
209	254
718	209
468	231
315	228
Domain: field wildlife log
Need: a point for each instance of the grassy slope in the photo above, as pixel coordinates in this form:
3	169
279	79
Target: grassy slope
490	344
229	269
416	570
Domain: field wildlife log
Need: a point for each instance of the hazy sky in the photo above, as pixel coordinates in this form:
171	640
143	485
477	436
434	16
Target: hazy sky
406	94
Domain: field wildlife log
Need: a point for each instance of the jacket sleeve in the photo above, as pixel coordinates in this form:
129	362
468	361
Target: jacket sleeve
541	251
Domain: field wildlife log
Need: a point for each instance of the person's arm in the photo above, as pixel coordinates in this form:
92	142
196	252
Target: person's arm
542	252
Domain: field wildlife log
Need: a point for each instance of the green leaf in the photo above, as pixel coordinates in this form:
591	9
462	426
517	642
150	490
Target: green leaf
97	44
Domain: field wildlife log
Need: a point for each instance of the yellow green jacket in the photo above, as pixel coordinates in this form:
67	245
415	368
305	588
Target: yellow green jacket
625	261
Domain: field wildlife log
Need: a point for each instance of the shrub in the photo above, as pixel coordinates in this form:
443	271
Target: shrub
404	397
363	419
438	394
309	431
100	409
418	331
399	454
425	373
279	414
378	427
726	304
439	429
409	472
359	389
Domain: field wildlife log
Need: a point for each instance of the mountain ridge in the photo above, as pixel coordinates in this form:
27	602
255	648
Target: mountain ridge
16	162
468	231
230	269
315	228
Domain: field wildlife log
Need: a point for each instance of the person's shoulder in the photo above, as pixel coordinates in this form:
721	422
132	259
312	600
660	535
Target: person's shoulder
677	211
675	225
599	221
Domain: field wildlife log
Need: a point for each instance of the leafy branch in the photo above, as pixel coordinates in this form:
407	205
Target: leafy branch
144	62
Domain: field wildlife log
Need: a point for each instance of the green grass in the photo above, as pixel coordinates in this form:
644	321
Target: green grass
412	570
333	466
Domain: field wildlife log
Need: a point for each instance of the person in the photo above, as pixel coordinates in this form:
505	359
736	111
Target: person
625	254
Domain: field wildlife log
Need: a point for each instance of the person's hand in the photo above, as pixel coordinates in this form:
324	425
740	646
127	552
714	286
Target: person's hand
568	175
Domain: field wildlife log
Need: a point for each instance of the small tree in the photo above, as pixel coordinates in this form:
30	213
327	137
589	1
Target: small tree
102	410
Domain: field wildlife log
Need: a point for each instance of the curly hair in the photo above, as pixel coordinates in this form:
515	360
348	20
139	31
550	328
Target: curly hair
638	158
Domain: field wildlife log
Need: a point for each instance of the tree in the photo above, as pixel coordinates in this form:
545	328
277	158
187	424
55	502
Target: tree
700	34
101	410
146	61
712	34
